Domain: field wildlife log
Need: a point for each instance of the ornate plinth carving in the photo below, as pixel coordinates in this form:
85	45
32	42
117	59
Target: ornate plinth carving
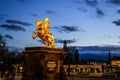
42	63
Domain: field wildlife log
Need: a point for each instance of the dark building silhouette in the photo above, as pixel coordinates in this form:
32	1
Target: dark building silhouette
76	57
109	58
2	42
68	58
3	55
65	46
3	48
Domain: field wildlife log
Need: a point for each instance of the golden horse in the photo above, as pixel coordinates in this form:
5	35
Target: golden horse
43	32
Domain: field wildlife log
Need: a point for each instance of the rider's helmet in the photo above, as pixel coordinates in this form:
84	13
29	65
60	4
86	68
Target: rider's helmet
46	19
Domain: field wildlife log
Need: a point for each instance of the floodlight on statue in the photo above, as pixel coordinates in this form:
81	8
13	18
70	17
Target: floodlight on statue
42	31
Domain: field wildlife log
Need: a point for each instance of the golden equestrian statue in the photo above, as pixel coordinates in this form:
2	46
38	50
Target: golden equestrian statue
43	32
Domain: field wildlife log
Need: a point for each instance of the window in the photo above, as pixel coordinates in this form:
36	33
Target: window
77	70
118	61
81	70
92	70
98	70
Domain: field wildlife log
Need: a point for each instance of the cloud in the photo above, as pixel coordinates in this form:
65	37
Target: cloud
68	29
117	22
18	22
118	42
118	36
62	41
100	12
33	14
3	15
118	11
91	2
8	36
81	9
97	48
13	27
116	2
50	12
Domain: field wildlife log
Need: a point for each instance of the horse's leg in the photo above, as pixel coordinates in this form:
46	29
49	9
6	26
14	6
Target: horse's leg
51	41
34	35
45	42
53	44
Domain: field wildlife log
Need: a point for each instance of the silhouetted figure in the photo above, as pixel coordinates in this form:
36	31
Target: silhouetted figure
109	58
65	46
67	58
76	57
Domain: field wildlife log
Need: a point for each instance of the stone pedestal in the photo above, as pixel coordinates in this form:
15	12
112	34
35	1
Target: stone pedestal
41	63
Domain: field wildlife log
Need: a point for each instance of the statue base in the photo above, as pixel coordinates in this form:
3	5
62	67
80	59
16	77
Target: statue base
42	63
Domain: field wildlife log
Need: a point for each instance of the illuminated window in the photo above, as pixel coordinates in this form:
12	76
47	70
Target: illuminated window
83	69
86	69
118	62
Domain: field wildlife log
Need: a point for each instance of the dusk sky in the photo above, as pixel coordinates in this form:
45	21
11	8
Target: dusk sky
80	22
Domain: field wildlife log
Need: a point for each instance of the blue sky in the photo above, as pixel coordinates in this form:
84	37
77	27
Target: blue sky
80	22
